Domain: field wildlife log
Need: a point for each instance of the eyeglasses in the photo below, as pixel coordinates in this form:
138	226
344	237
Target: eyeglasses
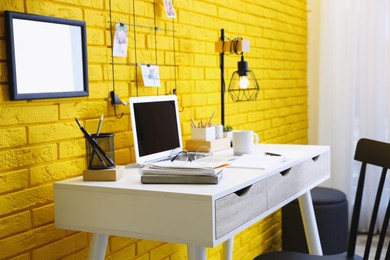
201	156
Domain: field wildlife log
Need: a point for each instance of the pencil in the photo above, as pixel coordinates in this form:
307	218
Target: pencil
97	140
211	119
193	123
99	125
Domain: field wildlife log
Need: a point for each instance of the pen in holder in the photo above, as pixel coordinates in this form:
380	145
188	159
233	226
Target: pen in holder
102	158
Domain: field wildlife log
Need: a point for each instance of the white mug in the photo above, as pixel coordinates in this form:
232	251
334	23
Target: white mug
243	141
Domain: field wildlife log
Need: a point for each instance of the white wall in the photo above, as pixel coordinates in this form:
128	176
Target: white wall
313	15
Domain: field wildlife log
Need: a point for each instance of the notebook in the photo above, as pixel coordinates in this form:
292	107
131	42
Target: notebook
156	127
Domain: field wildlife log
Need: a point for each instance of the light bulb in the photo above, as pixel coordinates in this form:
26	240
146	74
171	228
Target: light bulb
244	82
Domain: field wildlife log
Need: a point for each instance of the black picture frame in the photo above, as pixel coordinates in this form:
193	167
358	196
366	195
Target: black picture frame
46	56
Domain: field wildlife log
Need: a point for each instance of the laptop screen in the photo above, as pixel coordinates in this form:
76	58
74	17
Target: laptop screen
156	127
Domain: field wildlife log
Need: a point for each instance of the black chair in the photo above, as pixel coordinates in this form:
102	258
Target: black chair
368	152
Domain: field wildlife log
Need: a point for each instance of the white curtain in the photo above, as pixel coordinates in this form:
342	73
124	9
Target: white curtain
353	86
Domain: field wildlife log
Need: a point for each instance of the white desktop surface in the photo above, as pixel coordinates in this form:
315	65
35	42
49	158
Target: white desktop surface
187	213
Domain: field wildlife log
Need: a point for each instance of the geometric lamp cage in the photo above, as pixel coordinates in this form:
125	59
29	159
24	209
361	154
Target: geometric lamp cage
243	85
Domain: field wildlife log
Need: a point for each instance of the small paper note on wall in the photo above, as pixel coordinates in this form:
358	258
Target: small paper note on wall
169	10
150	75
120	40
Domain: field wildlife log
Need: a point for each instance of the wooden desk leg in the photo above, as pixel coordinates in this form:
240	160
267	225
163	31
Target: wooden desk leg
228	249
196	252
310	224
97	248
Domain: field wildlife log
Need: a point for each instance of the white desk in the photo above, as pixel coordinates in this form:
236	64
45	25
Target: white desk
198	215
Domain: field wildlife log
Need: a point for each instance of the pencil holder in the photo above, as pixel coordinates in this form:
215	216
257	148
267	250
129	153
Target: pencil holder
103	158
203	133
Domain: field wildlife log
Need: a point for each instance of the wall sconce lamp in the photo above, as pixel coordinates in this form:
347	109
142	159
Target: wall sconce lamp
243	85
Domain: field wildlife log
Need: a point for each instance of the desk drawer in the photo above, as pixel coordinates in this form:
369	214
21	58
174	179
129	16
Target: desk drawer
315	169
239	207
283	185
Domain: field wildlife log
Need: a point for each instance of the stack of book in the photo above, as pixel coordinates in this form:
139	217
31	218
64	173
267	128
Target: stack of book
166	173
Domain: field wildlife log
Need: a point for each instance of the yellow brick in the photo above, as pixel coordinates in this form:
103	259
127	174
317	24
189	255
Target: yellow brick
192	73
27	156
119	6
24	199
15	224
144	246
109	124
205	8
72	148
80	110
126	253
187	45
165	250
203	60
255	116
11	5
47	8
95	36
96	18
214	99
180	255
12	181
92	4
100	90
81	254
124	156
247	107
25	256
43	215
214	73
57	171
62	247
214	253
120	73
53	132
28	114
95	72
12	137
116	243
124	140
163	42
99	54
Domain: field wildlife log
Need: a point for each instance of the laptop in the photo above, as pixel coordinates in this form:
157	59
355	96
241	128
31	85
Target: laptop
156	127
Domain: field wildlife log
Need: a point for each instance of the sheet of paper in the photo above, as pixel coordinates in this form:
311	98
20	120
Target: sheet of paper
255	161
169	10
150	75
120	40
190	165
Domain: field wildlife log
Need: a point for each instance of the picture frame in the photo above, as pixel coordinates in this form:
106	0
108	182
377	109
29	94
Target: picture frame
46	56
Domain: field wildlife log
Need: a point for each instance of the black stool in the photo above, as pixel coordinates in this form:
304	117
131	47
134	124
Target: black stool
331	210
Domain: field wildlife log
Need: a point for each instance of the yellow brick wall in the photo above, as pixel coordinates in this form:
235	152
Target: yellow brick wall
40	142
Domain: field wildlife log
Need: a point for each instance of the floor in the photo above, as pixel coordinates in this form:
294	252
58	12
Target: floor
361	242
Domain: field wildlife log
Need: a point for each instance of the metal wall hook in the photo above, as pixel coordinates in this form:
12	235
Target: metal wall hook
115	100
119	117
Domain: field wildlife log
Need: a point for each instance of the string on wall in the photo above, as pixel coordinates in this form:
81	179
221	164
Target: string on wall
149	70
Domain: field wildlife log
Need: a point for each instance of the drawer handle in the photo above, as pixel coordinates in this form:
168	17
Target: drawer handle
315	158
243	191
285	172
